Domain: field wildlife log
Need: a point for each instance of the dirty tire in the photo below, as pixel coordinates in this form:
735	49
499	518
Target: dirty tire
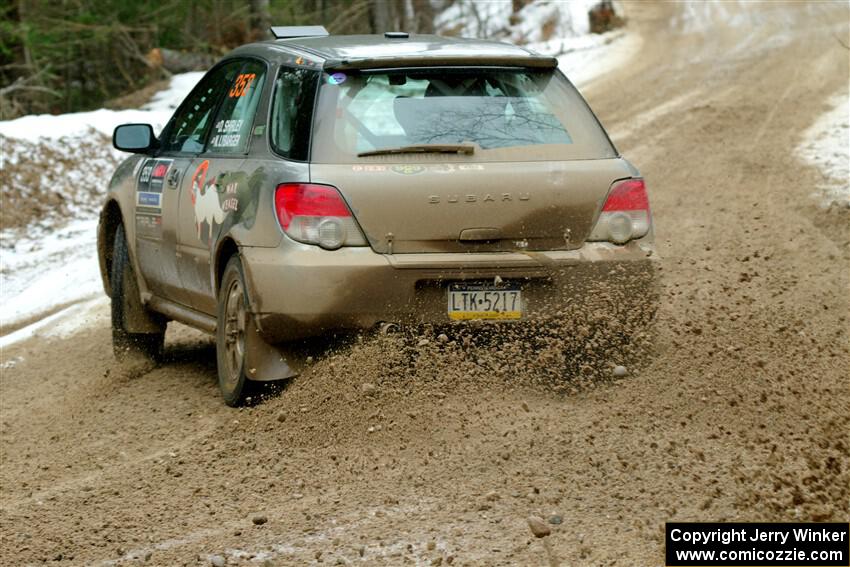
230	335
123	283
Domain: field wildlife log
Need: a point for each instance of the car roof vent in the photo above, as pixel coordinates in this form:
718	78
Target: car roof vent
284	32
396	35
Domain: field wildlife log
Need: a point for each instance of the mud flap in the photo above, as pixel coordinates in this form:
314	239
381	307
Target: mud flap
265	362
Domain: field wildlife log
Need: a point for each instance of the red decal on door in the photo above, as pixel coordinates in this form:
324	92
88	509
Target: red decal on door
160	170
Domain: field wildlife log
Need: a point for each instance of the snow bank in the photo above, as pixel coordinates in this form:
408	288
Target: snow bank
79	124
496	20
826	145
49	269
587	58
558	28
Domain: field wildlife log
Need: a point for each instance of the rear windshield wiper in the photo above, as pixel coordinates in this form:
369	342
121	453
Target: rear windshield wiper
467	149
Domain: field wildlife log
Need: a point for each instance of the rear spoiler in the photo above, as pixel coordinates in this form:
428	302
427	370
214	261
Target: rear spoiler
531	60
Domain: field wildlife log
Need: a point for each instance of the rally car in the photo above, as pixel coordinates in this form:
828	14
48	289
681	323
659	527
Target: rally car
315	183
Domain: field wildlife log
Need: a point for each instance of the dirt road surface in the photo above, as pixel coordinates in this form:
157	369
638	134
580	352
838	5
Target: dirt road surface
743	412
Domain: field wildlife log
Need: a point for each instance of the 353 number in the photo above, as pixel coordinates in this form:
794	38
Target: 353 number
241	84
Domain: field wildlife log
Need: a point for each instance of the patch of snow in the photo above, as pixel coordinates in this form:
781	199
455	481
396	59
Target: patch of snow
78	124
557	28
587	58
11	363
89	313
700	17
170	98
826	145
48	269
564	19
474	18
62	324
495	19
51	181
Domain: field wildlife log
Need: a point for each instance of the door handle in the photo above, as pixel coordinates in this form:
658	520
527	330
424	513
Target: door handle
173	176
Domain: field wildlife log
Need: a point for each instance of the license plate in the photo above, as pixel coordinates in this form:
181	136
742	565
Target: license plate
484	301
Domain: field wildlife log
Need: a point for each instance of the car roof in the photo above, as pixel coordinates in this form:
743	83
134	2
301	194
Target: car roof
376	51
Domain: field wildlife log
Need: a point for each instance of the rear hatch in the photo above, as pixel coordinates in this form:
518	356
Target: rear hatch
463	159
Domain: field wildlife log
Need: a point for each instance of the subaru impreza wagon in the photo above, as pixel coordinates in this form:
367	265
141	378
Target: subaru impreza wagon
316	183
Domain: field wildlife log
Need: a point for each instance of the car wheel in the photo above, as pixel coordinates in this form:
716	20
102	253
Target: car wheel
230	335
125	293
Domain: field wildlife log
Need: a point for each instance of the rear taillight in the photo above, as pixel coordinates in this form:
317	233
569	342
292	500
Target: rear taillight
316	214
625	215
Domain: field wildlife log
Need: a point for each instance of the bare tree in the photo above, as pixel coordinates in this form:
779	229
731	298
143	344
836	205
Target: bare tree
260	18
423	16
380	15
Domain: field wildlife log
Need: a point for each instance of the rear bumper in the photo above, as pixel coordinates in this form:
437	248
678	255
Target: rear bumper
303	291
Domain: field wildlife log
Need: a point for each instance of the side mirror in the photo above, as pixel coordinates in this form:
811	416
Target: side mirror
135	138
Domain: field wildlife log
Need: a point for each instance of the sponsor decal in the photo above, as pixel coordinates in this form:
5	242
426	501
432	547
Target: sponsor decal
442	168
149	225
231	202
408	169
205	200
213	200
145	175
149	197
337	79
152	174
369	168
160	170
300	60
149	200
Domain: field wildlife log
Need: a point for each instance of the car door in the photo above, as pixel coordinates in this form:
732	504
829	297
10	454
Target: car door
210	192
150	212
159	182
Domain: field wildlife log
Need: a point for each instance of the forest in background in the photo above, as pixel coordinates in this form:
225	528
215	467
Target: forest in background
70	55
59	56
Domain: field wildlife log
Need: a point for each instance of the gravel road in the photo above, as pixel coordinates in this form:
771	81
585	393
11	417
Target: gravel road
390	453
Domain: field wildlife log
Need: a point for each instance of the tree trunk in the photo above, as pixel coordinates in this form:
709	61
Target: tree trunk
260	19
179	61
379	15
423	16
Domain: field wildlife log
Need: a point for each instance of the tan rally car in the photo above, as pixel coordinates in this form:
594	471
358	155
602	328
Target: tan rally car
315	183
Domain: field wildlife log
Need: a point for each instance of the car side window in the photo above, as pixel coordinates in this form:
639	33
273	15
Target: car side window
189	126
292	112
235	118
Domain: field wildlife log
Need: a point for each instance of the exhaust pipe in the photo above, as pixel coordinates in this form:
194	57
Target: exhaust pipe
385	328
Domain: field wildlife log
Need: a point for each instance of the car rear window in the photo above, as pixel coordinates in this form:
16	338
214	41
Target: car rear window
506	113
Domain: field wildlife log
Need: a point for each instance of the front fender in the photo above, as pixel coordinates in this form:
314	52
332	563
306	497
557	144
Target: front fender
119	208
